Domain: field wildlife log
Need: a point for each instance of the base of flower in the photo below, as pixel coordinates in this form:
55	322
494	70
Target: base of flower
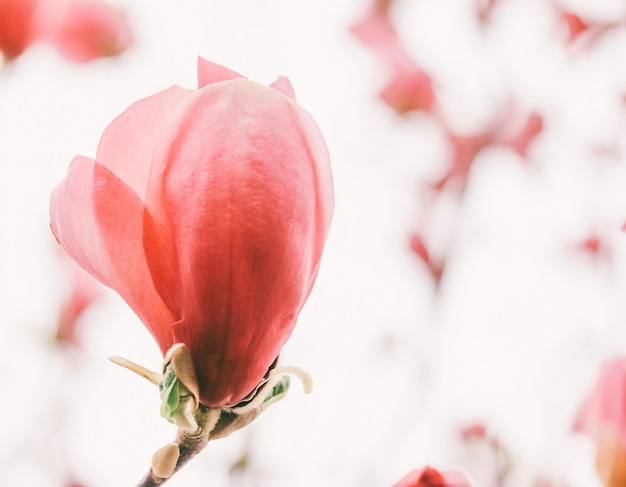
197	424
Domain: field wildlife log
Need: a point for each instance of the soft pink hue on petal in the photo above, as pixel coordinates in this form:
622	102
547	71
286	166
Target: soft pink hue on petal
215	238
98	219
376	31
604	409
410	89
16	32
429	477
125	154
249	211
283	85
209	73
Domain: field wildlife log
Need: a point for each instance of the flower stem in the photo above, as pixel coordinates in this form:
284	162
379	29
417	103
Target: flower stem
189	447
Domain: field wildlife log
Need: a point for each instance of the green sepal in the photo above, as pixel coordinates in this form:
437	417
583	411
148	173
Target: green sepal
170	393
278	390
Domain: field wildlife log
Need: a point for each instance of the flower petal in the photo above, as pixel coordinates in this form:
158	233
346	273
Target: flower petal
209	73
283	85
246	187
604	408
98	219
127	155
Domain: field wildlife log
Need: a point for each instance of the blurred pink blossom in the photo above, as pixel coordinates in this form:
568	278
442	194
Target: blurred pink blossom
81	30
575	25
602	417
84	30
409	89
429	477
464	149
84	291
16	32
435	268
604	410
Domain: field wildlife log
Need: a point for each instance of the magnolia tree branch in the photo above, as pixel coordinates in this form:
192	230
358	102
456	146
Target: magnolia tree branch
214	423
197	423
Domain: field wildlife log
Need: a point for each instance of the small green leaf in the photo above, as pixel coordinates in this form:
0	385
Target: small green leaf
279	389
170	394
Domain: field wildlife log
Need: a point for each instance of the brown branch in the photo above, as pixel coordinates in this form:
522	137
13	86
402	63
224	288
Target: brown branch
189	447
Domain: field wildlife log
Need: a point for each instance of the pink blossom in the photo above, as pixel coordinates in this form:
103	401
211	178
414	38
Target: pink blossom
410	89
604	409
207	211
16	32
429	477
84	30
376	31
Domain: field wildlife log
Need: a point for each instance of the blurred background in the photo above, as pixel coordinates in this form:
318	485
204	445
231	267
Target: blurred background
473	281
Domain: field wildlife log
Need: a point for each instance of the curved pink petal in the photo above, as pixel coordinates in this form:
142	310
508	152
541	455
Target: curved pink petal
129	155
283	85
604	410
98	219
209	73
246	188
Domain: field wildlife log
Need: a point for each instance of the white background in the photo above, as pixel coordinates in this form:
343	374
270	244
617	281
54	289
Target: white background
513	338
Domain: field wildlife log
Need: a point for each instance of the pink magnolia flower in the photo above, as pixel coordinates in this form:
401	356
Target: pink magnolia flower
429	477
84	30
16	32
81	30
206	210
410	89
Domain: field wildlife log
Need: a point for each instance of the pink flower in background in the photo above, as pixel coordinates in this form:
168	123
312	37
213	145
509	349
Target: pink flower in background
575	25
604	409
518	130
429	477
81	30
410	89
602	416
16	32
84	30
434	267
207	211
484	9
377	32
84	291
464	149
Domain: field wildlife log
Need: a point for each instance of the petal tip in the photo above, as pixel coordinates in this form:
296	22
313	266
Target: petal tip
210	72
283	85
